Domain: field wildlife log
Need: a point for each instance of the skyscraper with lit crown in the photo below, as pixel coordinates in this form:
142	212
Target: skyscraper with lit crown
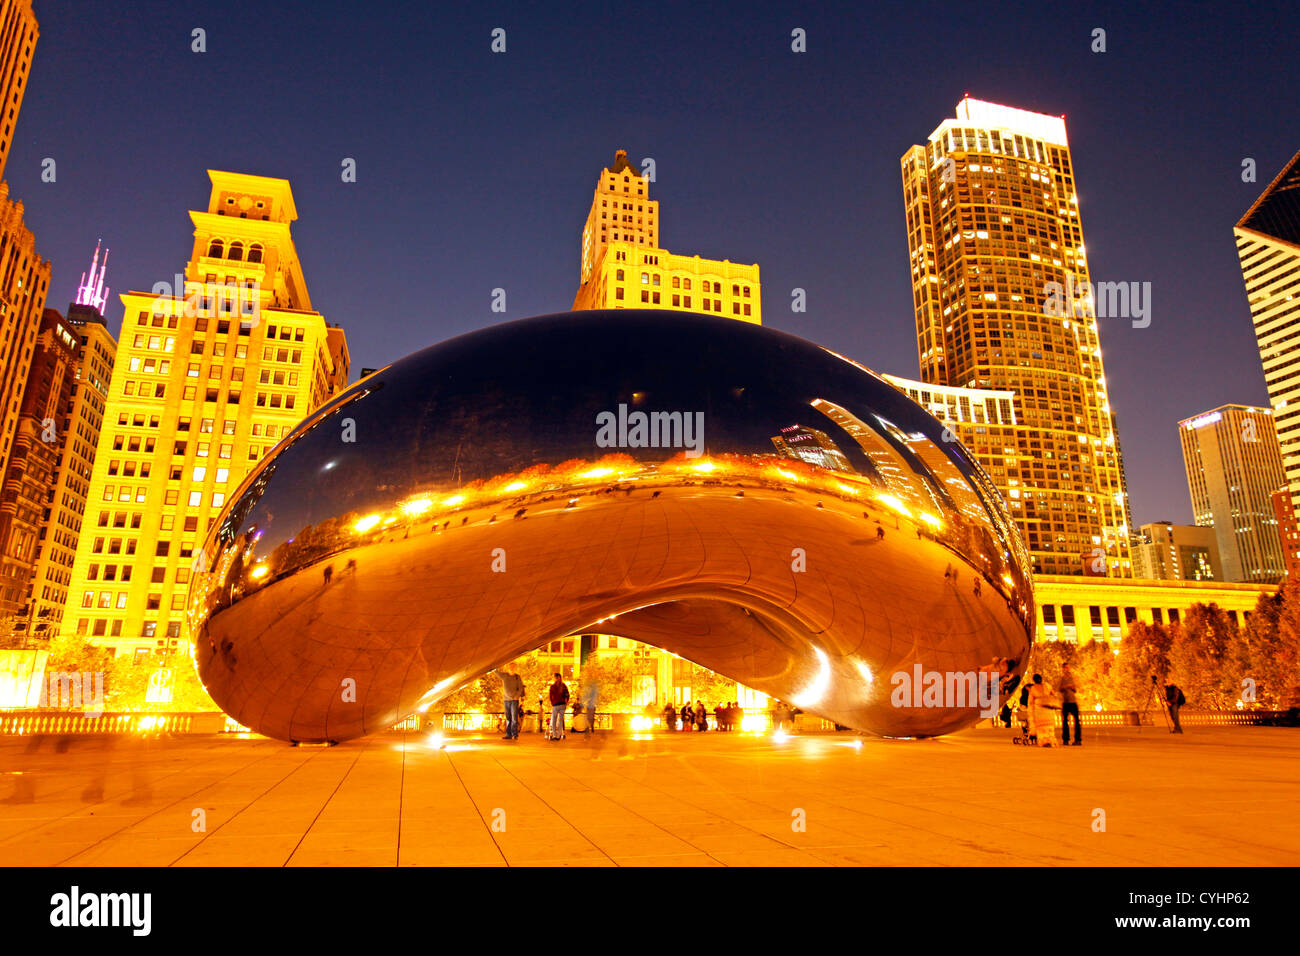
77	428
992	222
213	369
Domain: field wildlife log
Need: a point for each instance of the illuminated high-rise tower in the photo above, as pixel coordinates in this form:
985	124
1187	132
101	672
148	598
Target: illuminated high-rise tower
208	378
24	282
1233	469
18	33
1268	245
33	464
992	223
77	427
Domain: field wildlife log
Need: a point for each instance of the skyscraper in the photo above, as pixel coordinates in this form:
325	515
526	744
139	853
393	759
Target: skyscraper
1233	468
992	224
78	428
209	377
1163	551
24	282
18	33
33	464
624	267
1268	246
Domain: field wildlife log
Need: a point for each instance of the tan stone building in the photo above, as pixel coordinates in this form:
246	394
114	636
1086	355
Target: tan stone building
18	33
624	267
208	378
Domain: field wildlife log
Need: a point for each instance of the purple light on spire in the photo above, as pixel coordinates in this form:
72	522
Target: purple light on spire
92	291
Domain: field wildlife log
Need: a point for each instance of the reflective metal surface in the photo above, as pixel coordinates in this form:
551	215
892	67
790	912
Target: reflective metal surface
735	495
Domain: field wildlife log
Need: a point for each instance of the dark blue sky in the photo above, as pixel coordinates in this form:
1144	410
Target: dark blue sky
475	170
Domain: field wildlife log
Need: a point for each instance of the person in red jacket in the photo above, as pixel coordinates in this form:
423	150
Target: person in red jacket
559	701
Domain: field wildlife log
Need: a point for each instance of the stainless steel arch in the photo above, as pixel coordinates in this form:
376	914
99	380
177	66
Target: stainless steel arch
739	496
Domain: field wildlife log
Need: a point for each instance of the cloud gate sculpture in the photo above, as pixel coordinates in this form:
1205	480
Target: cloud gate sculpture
735	495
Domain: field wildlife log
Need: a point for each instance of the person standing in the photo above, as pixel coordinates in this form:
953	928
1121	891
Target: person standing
1041	705
512	692
1175	699
1070	708
559	701
670	717
688	716
701	717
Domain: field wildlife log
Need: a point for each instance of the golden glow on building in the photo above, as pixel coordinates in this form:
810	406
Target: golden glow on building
623	266
207	380
1233	467
1268	247
992	219
18	34
1080	610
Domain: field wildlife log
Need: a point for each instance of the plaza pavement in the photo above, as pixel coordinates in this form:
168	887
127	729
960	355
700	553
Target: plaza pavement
1215	796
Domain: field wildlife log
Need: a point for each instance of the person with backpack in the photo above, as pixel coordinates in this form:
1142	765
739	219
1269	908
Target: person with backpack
1175	699
559	701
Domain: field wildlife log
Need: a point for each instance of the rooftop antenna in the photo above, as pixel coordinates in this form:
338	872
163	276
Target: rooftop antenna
92	291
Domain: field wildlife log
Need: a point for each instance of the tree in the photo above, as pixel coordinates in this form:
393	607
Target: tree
617	682
1143	660
1205	657
1095	668
1270	667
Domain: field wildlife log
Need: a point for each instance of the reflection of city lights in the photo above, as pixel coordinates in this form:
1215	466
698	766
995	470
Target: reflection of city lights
1097	707
930	519
366	523
815	691
753	723
596	473
892	502
516	486
260	571
418	506
779	734
453	501
705	466
846	488
865	671
436	740
642	722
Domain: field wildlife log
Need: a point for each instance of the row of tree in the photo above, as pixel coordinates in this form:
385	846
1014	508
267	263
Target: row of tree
1216	663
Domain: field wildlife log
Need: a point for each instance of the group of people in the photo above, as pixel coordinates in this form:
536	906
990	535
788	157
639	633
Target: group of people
1039	703
696	716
